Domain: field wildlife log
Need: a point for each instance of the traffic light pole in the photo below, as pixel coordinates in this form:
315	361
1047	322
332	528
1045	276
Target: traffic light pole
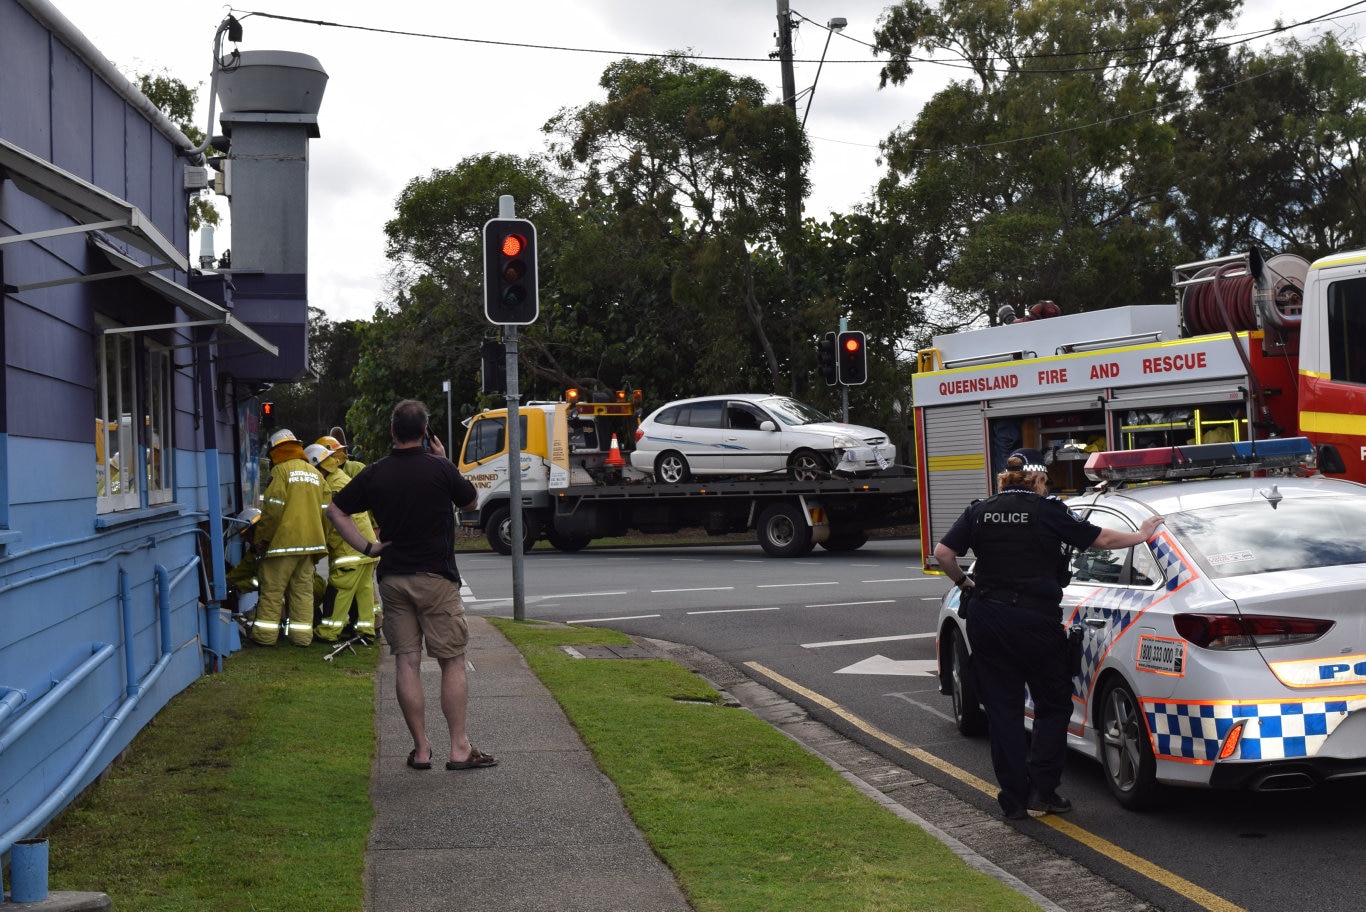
507	210
844	388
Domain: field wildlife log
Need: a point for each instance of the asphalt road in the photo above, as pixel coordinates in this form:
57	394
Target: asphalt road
849	637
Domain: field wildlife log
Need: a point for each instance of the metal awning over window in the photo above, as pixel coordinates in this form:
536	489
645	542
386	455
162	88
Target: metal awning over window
207	312
90	207
93	210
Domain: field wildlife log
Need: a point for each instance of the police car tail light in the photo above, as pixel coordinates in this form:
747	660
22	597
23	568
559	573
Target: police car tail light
1201	460
1248	631
1235	734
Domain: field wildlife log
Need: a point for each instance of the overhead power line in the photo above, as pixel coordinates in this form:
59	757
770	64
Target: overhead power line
958	63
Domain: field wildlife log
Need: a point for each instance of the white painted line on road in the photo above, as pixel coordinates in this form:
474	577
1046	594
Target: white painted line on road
886	639
790	585
700	589
629	617
847	604
686	560
735	610
925	706
903	579
565	595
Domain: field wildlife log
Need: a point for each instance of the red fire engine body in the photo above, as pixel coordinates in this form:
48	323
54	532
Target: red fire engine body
1250	350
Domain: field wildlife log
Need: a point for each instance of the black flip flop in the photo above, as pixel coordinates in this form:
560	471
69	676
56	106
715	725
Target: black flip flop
412	761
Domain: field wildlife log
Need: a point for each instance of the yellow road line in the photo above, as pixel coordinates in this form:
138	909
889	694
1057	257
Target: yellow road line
1135	863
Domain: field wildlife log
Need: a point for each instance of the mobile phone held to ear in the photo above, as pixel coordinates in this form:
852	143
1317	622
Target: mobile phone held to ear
426	437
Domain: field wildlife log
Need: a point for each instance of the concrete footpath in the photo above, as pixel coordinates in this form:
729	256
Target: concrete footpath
546	830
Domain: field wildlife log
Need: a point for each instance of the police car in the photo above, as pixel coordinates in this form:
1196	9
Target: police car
1229	651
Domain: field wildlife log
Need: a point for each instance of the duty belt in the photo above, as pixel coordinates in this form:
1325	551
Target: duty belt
1018	599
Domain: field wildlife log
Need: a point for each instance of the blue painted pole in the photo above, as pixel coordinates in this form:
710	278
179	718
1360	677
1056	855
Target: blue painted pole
28	871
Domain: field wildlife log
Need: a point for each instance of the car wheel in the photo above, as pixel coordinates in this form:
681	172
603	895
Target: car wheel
1126	750
783	531
845	541
568	542
672	468
968	714
498	531
807	465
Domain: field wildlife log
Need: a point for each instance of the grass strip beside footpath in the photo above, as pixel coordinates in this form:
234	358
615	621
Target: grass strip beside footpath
250	791
746	818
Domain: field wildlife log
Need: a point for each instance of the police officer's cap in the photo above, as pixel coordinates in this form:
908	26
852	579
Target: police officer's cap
1028	459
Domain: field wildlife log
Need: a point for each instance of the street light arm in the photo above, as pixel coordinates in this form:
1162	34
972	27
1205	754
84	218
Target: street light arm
819	67
837	24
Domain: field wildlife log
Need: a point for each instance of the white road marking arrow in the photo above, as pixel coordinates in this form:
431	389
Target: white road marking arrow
881	665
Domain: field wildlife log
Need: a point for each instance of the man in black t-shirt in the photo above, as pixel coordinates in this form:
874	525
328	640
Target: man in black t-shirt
409	493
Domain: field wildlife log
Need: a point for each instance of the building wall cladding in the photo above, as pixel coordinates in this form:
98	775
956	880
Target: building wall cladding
102	615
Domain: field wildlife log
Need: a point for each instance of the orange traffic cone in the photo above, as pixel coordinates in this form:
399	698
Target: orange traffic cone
614	454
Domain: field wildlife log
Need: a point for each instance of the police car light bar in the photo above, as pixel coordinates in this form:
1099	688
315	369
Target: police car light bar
1201	460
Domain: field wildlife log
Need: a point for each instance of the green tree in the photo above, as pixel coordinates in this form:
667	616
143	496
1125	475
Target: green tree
431	330
1047	174
177	101
1272	153
683	172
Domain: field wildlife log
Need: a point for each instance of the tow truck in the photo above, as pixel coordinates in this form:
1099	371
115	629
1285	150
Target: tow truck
577	486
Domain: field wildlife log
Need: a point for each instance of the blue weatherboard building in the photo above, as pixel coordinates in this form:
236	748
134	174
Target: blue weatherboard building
129	388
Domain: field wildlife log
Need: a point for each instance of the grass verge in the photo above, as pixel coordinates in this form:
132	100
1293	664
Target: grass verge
249	791
746	818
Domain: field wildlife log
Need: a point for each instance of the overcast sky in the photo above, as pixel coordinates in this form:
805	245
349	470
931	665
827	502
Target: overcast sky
398	107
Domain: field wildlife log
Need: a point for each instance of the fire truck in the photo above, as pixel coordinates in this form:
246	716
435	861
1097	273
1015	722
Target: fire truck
1250	349
576	485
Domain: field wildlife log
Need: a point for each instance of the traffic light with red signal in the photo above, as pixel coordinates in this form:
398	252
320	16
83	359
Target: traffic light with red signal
853	359
511	297
268	415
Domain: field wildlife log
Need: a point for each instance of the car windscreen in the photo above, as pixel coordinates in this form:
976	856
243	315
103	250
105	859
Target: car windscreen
793	412
1257	537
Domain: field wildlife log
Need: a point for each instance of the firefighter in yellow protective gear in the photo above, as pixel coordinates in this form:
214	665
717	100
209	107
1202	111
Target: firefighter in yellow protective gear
289	540
336	441
351	574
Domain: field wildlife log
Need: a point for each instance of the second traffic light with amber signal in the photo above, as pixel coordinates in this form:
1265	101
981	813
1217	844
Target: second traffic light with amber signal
852	359
510	293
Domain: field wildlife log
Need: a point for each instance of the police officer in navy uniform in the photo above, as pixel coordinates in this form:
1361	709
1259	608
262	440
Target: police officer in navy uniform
1015	623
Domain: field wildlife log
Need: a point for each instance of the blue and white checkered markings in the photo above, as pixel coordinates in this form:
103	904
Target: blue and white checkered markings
1195	731
1177	571
1275	731
1119	608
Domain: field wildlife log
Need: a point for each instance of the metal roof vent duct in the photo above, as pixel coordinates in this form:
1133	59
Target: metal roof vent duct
272	82
270	105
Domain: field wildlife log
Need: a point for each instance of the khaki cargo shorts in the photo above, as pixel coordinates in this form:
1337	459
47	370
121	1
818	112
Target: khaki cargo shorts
423	606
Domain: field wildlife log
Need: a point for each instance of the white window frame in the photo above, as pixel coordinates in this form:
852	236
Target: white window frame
133	457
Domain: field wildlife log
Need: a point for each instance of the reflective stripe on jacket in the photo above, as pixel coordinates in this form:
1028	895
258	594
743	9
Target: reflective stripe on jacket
292	511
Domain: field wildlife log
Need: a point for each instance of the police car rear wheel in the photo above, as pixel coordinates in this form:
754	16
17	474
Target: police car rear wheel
1130	768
